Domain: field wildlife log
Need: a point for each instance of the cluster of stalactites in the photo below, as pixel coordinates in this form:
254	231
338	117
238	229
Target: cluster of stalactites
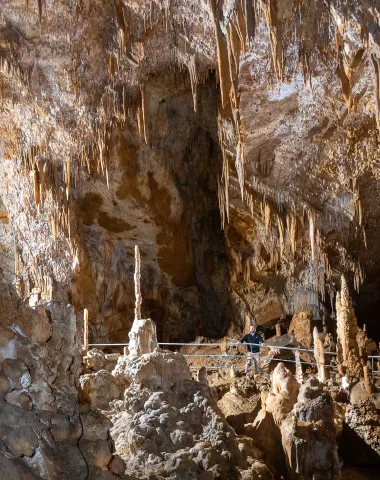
51	198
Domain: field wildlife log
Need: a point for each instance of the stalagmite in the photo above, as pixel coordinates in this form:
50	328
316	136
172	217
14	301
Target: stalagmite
319	355
137	278
233	388
278	329
85	329
347	328
299	373
142	336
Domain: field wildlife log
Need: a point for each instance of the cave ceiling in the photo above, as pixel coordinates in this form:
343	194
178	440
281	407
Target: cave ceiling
236	142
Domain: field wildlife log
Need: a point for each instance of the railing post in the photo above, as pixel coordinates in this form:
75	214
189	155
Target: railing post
373	375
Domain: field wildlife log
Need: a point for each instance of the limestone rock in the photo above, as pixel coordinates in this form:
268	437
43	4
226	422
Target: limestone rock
6	334
95	426
22	441
161	369
359	443
19	398
302	328
269	310
17	372
97	453
99	389
142	337
5	386
239	410
117	465
308	436
95	360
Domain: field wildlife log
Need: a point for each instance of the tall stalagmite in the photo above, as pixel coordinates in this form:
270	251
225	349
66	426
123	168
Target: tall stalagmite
347	329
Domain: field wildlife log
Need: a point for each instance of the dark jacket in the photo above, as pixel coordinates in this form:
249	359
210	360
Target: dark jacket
252	338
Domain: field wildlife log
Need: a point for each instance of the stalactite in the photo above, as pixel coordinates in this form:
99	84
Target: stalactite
291	223
67	177
232	65
281	235
224	77
269	8
312	219
192	66
36	186
376	81
119	15
238	20
144	112
267	217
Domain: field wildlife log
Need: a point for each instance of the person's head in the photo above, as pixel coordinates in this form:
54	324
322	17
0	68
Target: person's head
252	329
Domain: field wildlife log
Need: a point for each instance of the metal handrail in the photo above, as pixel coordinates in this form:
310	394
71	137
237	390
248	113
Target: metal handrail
274	347
236	344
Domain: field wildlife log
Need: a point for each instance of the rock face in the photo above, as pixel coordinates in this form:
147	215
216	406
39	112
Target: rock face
42	432
359	443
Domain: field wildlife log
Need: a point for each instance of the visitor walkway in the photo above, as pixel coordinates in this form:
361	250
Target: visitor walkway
224	359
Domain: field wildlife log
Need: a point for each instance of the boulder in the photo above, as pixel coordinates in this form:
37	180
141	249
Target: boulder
17	373
98	389
96	452
271	309
95	426
19	398
22	441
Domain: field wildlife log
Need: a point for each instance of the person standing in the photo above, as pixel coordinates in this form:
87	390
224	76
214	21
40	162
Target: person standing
254	340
